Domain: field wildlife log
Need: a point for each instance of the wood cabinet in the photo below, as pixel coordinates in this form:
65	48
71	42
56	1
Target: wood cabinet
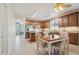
46	24
32	37
41	25
73	38
72	19
60	22
65	21
78	19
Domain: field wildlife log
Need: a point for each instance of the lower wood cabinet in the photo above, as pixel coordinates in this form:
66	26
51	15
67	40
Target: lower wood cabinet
46	24
73	38
32	37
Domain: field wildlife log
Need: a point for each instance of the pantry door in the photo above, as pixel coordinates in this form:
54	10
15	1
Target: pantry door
1	31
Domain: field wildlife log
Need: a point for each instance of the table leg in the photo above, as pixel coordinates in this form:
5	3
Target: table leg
49	47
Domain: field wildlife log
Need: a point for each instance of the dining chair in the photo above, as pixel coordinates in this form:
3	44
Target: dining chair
42	47
65	43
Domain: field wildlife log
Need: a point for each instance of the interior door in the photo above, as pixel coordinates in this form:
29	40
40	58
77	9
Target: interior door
1	31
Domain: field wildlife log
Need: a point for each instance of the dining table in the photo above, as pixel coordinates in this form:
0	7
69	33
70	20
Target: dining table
52	40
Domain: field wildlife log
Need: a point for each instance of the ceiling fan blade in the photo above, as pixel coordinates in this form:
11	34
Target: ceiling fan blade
66	5
63	4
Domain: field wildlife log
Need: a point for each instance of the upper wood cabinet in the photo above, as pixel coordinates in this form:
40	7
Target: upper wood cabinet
78	19
73	19
65	21
41	25
46	24
60	22
70	20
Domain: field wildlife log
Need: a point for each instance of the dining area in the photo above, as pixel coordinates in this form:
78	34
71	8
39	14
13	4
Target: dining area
53	42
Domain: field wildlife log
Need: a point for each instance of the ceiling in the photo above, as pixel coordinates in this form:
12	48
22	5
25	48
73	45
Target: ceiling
42	11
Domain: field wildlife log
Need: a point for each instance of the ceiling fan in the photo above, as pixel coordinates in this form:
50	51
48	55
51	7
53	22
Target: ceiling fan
60	6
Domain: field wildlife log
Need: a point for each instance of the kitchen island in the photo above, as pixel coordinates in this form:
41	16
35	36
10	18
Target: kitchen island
31	35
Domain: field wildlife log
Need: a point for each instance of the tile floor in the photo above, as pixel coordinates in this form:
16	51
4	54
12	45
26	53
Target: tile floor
23	47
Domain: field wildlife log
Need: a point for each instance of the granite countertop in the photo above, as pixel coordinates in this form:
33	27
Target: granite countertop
72	29
67	29
34	31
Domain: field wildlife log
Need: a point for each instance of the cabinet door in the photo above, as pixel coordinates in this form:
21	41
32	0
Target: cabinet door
73	38
32	37
41	25
73	19
76	38
65	21
60	22
46	24
78	19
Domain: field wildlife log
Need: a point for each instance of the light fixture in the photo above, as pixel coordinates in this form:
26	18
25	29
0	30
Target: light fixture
58	9
60	6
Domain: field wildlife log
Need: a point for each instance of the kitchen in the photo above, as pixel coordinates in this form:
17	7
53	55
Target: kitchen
69	22
46	26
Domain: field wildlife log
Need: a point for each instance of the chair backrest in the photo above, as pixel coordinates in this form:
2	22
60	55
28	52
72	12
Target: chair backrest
38	38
